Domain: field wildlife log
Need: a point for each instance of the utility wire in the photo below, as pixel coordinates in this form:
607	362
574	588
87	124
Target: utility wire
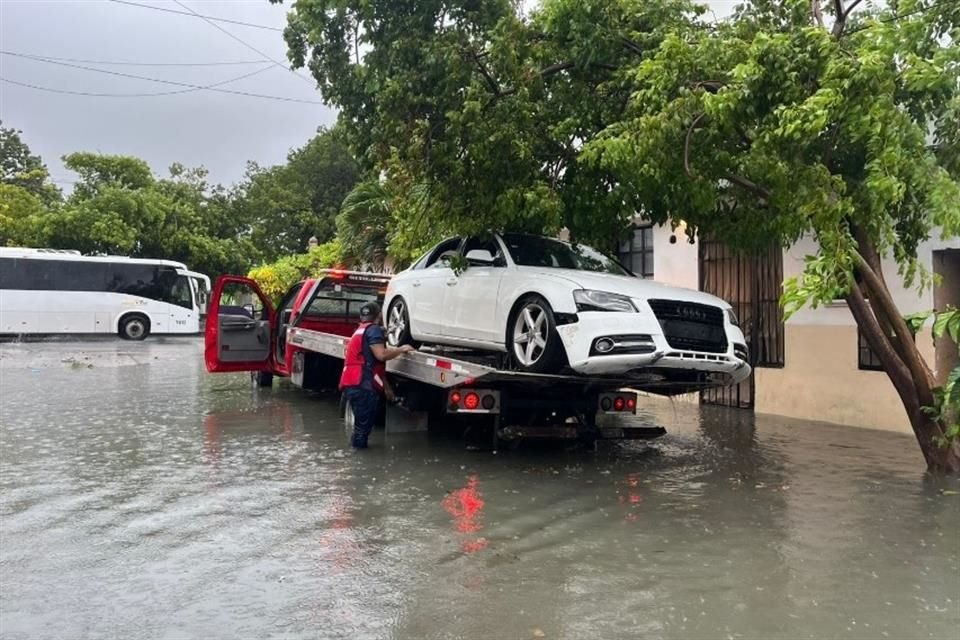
244	43
898	16
195	15
136	77
124	63
133	95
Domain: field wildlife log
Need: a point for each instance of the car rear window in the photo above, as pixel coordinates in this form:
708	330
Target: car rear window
341	299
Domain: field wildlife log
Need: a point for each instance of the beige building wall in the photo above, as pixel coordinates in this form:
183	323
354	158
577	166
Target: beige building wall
821	381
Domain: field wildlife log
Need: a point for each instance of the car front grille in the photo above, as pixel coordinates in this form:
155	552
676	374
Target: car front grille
690	325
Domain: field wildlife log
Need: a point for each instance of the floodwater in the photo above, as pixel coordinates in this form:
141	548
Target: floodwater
141	497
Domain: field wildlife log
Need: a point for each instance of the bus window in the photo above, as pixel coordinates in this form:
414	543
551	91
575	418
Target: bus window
181	294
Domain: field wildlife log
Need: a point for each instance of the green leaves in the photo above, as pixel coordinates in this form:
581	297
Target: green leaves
20	168
947	323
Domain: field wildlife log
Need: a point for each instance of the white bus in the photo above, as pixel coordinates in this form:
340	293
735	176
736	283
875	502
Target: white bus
49	291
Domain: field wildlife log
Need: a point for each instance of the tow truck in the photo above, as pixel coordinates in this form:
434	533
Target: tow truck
304	338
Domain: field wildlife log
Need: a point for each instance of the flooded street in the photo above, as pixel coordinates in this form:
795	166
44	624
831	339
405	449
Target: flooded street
141	497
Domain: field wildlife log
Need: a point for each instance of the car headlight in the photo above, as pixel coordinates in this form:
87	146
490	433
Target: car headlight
590	300
732	317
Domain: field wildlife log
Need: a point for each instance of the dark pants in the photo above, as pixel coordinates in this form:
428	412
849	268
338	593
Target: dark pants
364	403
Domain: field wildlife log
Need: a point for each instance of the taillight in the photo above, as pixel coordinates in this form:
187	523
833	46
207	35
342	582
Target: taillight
471	401
617	402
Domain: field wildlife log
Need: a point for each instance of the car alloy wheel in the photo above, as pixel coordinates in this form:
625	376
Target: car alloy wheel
531	331
397	323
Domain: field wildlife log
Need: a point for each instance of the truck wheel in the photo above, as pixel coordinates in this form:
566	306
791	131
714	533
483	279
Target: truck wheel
134	327
398	324
348	418
532	337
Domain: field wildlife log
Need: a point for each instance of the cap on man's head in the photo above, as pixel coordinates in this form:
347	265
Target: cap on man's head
369	311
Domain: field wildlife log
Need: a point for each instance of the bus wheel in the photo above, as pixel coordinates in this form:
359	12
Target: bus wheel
134	327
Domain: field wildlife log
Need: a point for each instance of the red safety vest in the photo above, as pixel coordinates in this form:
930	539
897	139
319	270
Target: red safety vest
354	362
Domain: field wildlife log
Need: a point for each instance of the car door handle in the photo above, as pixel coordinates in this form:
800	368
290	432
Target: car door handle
416	283
452	281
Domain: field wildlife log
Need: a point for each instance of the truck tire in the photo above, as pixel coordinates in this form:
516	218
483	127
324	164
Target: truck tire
262	378
135	326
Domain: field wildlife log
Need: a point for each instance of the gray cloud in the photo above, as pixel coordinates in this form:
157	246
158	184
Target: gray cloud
217	130
220	131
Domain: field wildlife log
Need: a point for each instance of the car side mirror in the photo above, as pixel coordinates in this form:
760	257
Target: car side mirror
480	258
249	309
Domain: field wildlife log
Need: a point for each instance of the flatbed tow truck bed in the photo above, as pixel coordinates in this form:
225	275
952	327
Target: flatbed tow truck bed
447	386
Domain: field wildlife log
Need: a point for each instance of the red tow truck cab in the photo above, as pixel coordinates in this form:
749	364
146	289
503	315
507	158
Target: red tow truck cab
244	331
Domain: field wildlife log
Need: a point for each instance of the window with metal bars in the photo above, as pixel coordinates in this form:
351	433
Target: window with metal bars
636	252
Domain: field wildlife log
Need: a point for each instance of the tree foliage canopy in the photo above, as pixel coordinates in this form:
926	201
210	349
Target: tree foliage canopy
118	206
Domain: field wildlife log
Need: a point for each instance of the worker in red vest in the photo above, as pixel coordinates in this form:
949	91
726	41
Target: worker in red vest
364	375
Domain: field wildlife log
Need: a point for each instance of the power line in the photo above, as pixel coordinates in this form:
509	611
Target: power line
898	16
124	63
196	15
148	79
132	95
243	42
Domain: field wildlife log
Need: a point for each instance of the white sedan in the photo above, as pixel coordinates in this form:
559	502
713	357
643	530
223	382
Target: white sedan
553	305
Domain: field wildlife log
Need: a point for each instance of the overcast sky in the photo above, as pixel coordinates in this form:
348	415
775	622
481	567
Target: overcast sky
221	131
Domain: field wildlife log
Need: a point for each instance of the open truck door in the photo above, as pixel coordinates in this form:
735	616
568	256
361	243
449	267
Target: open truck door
239	331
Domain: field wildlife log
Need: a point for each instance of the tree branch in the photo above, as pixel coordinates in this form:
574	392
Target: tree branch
853	5
841	20
711	86
748	184
920	372
491	82
686	143
631	45
556	68
817	12
894	367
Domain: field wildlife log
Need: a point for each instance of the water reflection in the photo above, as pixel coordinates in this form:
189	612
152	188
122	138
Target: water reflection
465	506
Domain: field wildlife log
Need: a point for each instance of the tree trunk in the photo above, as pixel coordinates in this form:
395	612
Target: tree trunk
885	331
942	459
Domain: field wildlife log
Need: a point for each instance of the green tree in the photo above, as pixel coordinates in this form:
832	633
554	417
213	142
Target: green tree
364	223
785	123
290	203
791	119
19	167
276	278
476	115
21	214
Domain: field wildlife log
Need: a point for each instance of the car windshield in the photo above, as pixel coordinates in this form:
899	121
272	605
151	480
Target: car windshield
537	251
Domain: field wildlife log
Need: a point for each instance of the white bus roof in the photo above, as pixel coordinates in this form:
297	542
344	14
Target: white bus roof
67	254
